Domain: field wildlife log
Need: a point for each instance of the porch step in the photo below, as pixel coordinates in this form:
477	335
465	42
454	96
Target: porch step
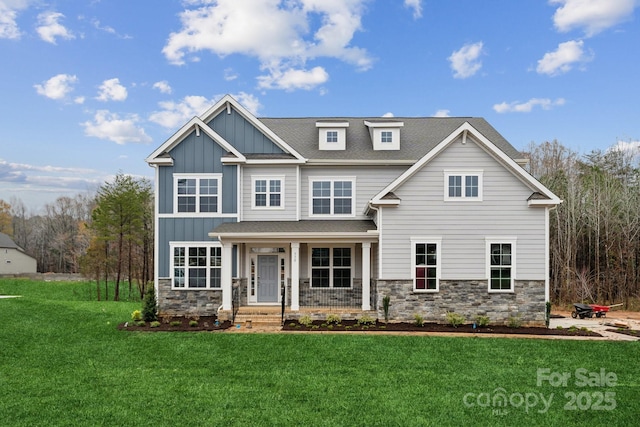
259	316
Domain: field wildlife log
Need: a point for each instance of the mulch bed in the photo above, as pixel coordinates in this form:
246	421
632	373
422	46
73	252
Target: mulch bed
630	332
352	325
178	324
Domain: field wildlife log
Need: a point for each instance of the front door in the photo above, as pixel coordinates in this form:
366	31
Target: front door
268	278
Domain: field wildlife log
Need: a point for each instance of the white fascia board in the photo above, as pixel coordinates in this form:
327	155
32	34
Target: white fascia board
274	162
371	235
383	124
332	124
227	100
162	161
543	203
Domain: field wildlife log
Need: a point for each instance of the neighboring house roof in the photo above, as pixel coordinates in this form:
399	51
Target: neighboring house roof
419	135
287	229
7	243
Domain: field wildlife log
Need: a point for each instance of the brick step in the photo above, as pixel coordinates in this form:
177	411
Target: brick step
260	319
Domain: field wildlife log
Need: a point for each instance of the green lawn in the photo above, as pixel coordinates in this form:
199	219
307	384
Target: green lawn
63	362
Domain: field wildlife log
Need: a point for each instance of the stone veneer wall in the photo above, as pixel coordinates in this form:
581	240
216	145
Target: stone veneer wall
330	297
467	298
173	302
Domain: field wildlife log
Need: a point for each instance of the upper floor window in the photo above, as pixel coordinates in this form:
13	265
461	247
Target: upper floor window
332	136
426	264
332	197
386	136
501	265
197	193
267	192
196	265
463	185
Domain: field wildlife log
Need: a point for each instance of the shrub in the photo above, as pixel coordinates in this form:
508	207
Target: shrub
547	317
418	320
514	322
140	323
154	324
193	323
306	321
334	319
482	321
136	315
149	306
454	319
175	323
366	321
386	302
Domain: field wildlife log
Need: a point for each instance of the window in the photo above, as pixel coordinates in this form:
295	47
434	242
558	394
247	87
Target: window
267	192
332	197
331	267
426	264
332	136
196	267
463	186
197	194
501	265
386	136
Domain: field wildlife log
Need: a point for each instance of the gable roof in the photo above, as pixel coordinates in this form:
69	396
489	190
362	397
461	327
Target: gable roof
466	130
7	243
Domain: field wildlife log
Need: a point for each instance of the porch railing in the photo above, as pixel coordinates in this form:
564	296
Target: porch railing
235	302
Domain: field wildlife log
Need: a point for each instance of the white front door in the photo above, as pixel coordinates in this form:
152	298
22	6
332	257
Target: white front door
268	290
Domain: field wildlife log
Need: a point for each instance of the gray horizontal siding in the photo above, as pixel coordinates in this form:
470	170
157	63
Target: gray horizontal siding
289	213
370	180
463	226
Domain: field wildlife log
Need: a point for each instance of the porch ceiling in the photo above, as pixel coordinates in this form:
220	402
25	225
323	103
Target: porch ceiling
358	230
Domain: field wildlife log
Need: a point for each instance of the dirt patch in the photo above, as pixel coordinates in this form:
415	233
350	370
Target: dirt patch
630	332
177	324
352	325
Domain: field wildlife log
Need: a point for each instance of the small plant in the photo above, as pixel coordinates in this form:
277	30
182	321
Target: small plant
334	319
559	327
149	306
482	321
418	320
330	326
547	317
136	315
193	323
514	322
292	324
306	321
175	323
454	319
386	302
154	324
366	321
140	323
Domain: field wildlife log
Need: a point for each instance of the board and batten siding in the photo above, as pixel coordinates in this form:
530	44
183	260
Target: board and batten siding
463	226
289	197
243	135
369	181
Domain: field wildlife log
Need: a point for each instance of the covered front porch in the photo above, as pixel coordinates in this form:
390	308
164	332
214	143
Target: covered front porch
299	265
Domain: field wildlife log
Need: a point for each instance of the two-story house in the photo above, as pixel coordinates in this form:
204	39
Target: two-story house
339	212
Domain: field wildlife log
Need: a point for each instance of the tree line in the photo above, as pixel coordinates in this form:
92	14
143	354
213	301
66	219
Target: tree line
106	236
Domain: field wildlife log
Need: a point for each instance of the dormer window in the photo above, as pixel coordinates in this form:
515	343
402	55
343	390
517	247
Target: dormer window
332	135
385	135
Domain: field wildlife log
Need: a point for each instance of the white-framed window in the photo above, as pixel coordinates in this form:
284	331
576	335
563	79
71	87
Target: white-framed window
332	136
197	193
386	136
425	264
501	264
332	196
331	267
196	265
465	186
268	192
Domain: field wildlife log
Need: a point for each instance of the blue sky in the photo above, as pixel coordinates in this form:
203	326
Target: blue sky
88	89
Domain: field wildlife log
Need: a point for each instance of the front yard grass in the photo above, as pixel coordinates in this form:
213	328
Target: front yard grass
63	362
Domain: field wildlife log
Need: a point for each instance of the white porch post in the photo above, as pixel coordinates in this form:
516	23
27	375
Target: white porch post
227	261
366	275
295	276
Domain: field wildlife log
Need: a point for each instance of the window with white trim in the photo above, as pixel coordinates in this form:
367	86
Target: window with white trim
331	267
196	266
332	136
332	197
425	264
386	136
501	265
197	193
463	186
267	192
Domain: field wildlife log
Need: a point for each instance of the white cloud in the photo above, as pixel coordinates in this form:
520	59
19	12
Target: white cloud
526	107
108	29
282	35
631	147
441	113
49	28
175	114
293	79
112	90
79	100
416	5
57	87
593	16
563	58
388	115
162	86
248	101
465	61
229	74
110	126
9	10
